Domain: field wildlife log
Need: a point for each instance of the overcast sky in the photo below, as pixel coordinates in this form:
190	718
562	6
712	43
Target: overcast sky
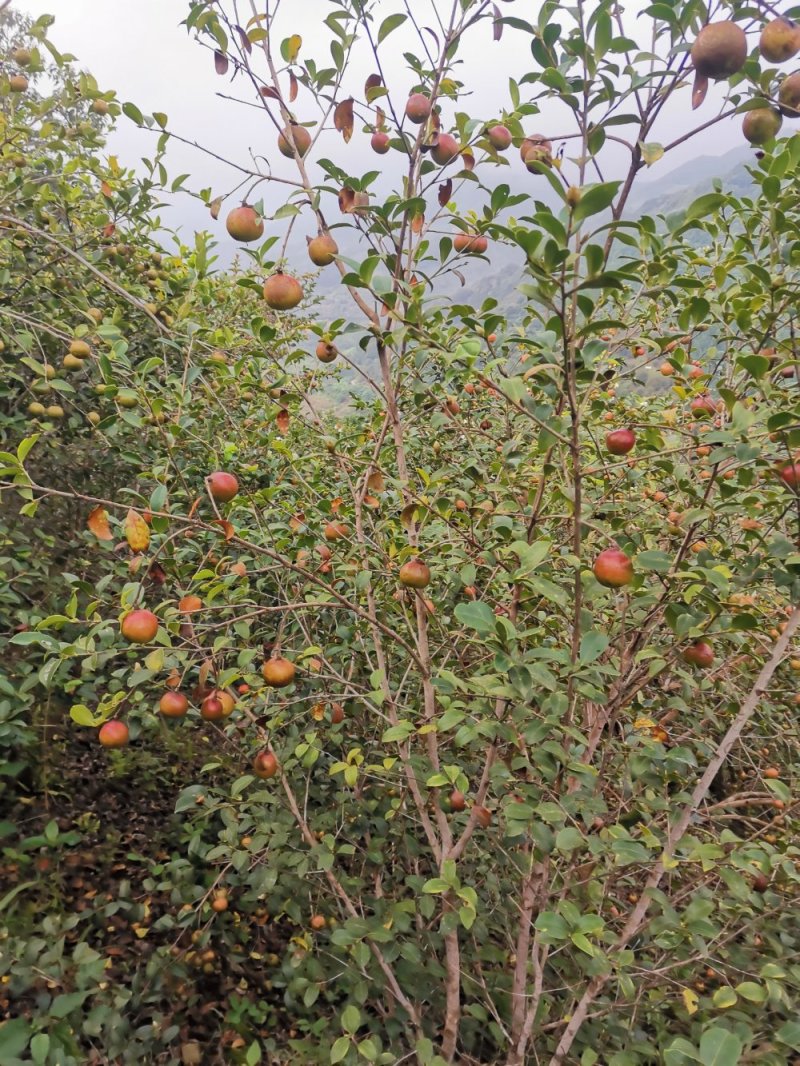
139	49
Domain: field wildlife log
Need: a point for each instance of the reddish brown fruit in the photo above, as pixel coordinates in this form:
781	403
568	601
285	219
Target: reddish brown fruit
613	568
414	574
335	531
458	800
761	883
418	108
173	705
772	773
219	904
189	604
302	140
244	224
789	96
18	83
337	714
445	150
282	292
278	672
499	137
139	627
265	765
222	486
318	922
703	406
620	441
483	816
326	352
380	142
699	654
473	243
719	50
113	734
323	250
761	125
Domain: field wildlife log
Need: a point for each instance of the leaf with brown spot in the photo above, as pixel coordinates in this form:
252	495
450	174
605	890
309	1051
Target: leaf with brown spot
105	189
375	482
282	420
109	229
293	85
336	504
220	62
318	712
445	192
408	516
137	532
247	44
497	31
343	118
214	207
373	88
417	223
98	524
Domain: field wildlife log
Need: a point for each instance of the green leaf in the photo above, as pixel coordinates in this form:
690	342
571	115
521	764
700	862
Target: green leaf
389	24
436	885
14	1036
340	1049
40	1046
750	990
351	1018
585	945
552	926
652	152
724	998
478	616
789	1034
81	715
593	644
719	1047
594	199
133	113
65	1004
654	560
368	1050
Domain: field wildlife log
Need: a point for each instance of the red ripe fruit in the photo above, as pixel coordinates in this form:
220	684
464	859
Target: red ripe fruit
499	137
483	816
113	734
418	108
265	764
337	714
699	654
790	475
282	292
703	405
223	487
620	441
301	138
458	801
613	568
414	574
212	709
445	150
139	627
470	242
173	705
380	142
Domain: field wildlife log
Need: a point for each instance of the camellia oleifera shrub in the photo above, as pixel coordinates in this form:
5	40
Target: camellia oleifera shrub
500	659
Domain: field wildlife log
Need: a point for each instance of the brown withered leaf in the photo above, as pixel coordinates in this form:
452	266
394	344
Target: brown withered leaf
269	93
468	161
227	528
380	118
408	516
214	207
347	199
157	574
498	25
203	672
343	118
417	223
293	85
337	504
220	62
135	564
98	524
247	44
699	90
109	229
445	192
137	532
106	189
195	505
375	482
371	501
282	420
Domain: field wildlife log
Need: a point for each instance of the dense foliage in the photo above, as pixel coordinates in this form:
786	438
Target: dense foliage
484	684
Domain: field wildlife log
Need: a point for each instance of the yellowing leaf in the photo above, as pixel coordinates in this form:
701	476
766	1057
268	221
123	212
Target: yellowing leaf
155	660
690	1000
643	725
98	524
137	532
